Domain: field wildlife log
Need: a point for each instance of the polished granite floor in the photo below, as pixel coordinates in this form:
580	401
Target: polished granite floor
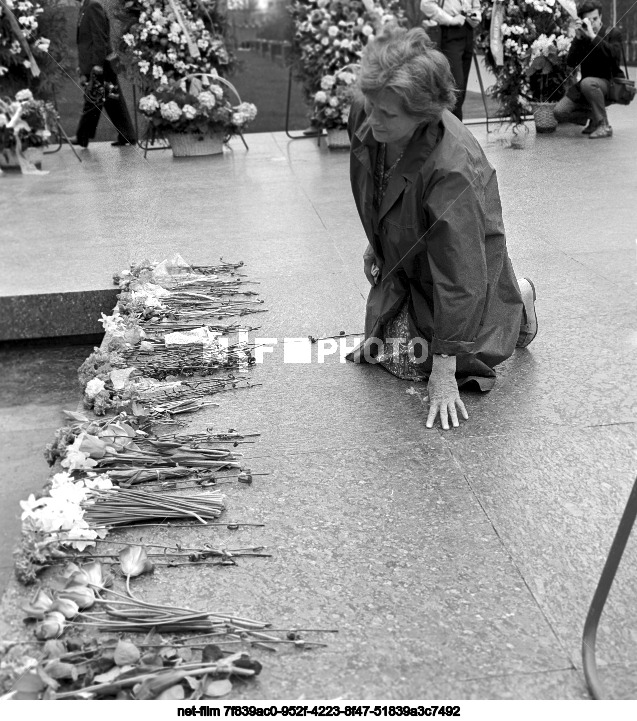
454	564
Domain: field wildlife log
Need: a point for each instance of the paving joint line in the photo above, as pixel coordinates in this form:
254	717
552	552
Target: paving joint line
544	615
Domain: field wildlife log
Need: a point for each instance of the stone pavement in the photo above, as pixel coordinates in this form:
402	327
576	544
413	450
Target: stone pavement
455	564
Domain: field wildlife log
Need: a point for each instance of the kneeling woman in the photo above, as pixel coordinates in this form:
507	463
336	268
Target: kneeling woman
429	202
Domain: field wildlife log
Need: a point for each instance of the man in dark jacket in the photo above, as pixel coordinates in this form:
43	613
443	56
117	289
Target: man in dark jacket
99	77
597	50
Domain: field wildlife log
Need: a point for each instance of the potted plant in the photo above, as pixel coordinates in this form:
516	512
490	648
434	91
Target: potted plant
24	130
331	107
195	115
547	73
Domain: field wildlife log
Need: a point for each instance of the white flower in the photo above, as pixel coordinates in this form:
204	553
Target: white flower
334	102
100	483
129	39
42	44
73	493
143	65
170	111
333	31
23	96
327	82
368	30
76	461
30	505
189	113
347	77
320	97
217	91
79	537
148	104
61	479
207	99
93	387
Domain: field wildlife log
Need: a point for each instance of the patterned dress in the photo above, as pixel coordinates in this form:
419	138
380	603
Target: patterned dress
396	360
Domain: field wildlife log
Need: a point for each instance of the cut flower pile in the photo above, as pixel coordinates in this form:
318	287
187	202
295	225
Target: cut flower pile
173	340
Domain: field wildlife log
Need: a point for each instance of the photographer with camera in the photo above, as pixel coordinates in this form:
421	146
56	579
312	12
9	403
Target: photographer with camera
455	21
98	77
597	50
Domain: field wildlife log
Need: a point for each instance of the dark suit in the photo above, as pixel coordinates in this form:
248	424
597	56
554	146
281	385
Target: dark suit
94	47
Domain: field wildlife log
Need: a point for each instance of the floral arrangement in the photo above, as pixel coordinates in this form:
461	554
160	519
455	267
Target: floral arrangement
171	108
32	34
161	46
524	23
14	50
547	70
25	123
333	101
330	36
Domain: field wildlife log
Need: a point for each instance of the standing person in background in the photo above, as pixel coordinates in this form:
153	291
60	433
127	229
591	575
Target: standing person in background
456	20
97	68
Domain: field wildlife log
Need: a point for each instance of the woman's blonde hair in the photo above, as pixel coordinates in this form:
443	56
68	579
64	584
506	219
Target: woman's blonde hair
407	62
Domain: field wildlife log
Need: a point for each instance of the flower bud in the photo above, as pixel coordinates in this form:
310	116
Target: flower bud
82	595
134	561
51	627
39	606
67	607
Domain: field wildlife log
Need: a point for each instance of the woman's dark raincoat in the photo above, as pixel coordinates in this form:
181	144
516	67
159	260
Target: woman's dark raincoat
440	236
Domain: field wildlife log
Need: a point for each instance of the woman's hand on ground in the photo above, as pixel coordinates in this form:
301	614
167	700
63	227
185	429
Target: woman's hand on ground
443	394
371	265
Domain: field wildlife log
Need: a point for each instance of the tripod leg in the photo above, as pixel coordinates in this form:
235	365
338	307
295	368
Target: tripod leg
66	137
484	97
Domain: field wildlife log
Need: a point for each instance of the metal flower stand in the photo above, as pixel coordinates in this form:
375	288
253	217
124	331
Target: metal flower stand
601	594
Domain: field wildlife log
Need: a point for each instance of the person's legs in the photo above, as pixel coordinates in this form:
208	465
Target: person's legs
595	92
117	110
467	57
453	42
569	111
87	124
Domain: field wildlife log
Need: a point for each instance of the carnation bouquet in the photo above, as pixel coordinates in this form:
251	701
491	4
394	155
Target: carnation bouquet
525	22
175	108
333	101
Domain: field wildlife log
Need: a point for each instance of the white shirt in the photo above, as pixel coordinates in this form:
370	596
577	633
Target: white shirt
442	12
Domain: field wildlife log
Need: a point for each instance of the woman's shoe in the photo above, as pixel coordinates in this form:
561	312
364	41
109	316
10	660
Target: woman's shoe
528	329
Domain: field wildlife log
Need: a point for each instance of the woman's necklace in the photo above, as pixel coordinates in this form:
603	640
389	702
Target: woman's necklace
387	155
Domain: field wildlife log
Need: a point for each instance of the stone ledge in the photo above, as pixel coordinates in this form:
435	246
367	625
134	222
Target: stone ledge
49	315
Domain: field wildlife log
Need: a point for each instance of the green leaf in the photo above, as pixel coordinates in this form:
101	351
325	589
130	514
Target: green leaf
29	687
126	653
211	653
